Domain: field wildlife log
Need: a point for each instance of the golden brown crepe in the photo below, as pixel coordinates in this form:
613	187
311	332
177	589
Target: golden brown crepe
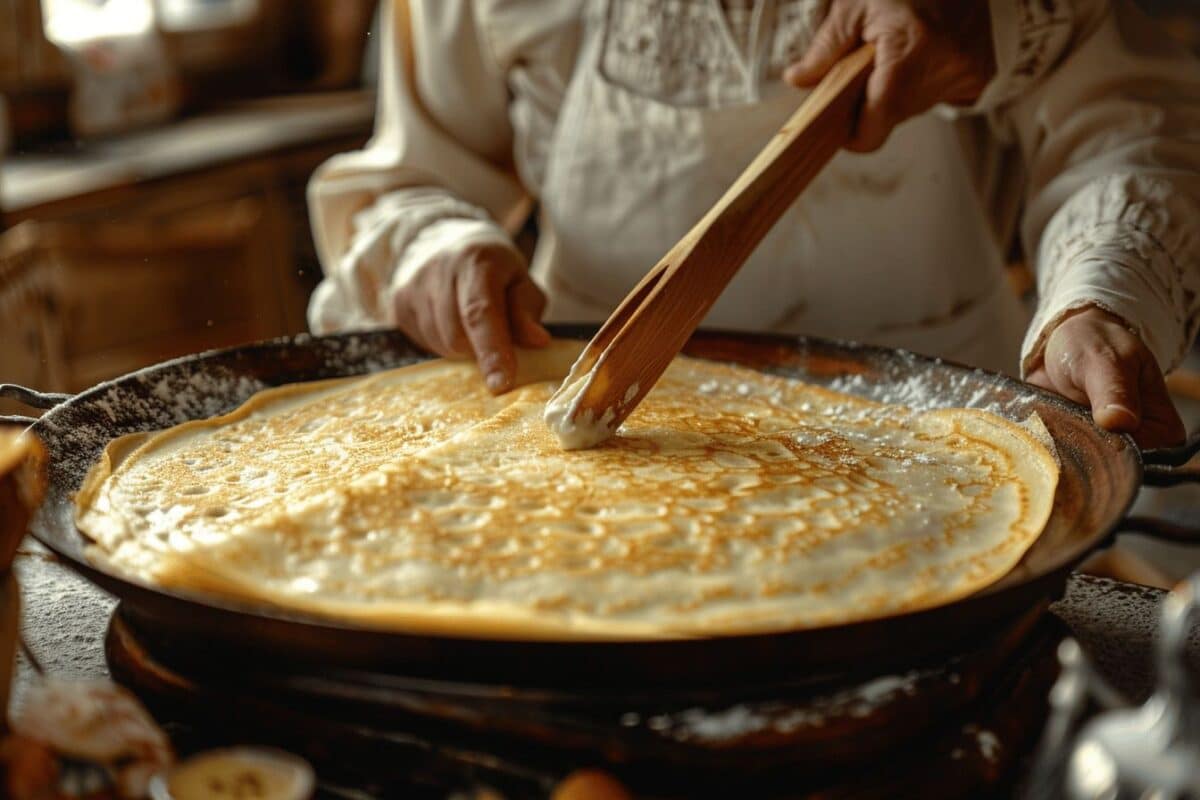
731	501
22	483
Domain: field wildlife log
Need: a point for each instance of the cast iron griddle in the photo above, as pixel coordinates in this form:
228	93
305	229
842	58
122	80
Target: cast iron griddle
1101	473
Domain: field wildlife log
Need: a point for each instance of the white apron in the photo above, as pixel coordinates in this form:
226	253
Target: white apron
654	165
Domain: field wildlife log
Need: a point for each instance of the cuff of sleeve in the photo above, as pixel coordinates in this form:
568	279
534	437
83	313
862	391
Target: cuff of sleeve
1110	277
442	238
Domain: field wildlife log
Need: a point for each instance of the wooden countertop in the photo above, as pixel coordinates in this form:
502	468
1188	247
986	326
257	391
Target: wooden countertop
34	180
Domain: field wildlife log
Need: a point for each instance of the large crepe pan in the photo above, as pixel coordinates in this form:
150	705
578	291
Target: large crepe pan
1101	474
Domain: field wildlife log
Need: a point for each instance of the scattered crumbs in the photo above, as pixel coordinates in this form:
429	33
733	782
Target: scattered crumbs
976	398
880	688
865	699
790	723
744	719
732	723
105	405
988	742
659	723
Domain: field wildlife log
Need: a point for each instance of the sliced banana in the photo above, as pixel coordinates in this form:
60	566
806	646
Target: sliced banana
237	773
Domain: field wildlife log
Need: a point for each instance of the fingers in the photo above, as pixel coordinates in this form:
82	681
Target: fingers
878	115
483	310
896	88
1040	379
925	54
1111	381
452	339
474	303
1060	377
404	317
526	302
1129	395
427	311
898	41
1093	359
838	34
431	332
1085	367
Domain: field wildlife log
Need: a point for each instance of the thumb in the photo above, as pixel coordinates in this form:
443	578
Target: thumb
837	36
1112	388
1040	378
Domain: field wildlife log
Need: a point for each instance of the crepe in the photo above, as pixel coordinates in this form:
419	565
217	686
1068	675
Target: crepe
15	447
22	484
731	501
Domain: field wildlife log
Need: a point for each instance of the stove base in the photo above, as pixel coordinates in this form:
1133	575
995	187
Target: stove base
950	729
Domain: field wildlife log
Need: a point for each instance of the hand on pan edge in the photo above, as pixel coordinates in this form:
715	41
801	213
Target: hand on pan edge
1093	358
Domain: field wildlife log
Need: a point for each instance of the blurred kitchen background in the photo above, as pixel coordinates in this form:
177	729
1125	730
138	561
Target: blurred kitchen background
155	154
153	160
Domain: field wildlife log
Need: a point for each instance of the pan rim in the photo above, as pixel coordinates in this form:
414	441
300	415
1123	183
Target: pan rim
115	582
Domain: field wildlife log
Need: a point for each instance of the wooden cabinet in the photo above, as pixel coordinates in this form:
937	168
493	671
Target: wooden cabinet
27	59
138	290
136	272
84	300
29	344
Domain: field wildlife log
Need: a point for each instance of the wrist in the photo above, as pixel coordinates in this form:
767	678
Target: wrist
452	238
1088	312
1096	313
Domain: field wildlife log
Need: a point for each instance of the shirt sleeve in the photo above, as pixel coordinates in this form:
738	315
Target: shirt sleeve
1105	109
435	175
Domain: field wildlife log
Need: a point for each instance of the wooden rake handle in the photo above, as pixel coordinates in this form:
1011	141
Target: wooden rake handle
652	323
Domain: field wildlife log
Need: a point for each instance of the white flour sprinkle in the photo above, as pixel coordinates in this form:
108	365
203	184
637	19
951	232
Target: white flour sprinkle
988	743
746	719
728	724
812	437
163	395
931	389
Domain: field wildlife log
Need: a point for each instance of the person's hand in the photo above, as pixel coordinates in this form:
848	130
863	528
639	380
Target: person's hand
475	302
926	52
1093	358
29	770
